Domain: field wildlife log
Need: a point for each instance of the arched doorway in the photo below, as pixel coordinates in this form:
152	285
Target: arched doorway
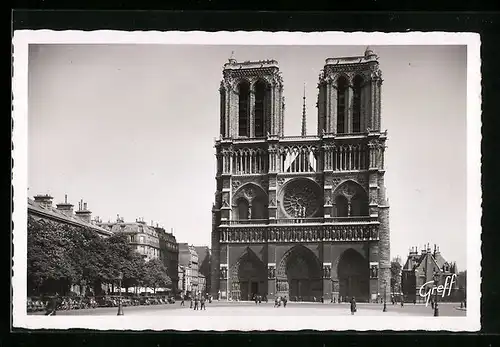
250	202
249	277
351	200
354	276
299	275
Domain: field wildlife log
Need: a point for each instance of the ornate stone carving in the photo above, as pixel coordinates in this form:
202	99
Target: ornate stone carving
328	200
236	184
249	193
300	199
225	200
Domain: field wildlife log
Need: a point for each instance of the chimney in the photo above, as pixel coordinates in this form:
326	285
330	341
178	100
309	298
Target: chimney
436	251
45	200
64	207
84	214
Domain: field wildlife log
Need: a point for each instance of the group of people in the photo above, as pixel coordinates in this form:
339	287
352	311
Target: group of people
198	302
279	300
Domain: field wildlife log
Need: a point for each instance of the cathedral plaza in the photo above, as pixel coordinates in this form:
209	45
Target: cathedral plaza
224	308
301	217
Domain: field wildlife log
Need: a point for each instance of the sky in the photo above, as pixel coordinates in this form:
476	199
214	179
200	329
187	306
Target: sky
130	129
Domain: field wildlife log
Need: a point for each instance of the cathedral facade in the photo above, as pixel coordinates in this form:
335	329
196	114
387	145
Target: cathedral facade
305	217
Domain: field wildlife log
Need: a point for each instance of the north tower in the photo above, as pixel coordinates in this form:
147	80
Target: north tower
305	216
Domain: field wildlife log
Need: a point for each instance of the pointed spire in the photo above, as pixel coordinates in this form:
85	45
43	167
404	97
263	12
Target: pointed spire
304	130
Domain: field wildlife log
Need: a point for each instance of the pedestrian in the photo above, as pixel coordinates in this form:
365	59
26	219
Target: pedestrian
218	295
284	301
52	304
182	300
196	303
353	305
402	302
202	303
260	299
191	301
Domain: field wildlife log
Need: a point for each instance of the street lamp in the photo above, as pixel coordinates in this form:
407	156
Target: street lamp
385	295
436	283
120	307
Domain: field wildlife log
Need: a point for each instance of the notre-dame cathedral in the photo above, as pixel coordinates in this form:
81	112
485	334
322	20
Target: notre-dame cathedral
305	217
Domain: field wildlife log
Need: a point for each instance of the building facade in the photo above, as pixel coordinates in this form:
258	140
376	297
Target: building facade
143	239
181	275
188	259
202	283
204	260
41	209
301	216
420	271
169	252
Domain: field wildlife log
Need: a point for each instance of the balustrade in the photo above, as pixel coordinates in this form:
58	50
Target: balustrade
254	234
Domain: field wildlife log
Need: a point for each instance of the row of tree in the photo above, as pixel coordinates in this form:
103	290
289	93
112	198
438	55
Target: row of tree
60	255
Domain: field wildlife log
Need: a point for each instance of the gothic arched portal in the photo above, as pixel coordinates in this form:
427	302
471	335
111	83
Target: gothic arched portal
299	275
354	276
248	277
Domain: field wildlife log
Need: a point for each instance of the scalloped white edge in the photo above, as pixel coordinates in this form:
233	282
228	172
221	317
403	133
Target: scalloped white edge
471	322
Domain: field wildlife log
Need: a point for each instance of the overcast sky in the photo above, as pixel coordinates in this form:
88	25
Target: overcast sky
130	129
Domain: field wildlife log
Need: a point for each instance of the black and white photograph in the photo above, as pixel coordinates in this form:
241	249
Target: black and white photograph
246	181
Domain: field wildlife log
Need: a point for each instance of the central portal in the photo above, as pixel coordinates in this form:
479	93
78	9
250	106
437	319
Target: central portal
299	276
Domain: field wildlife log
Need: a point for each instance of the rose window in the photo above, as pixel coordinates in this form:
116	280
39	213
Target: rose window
301	200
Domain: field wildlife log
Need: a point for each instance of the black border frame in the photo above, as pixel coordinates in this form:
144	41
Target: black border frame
487	24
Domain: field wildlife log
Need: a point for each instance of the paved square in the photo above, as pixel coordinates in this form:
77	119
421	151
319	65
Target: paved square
224	308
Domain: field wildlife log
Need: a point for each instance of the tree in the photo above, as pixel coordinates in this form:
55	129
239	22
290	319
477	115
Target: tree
396	275
122	258
155	275
49	267
90	256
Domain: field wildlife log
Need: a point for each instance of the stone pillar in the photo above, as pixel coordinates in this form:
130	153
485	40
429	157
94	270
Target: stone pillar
384	251
215	263
281	113
327	282
333	107
272	110
378	103
349	106
327	115
363	123
271	281
251	113
372	104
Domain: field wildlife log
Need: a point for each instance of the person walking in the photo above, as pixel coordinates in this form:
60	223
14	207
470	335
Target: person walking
353	305
284	301
196	303
202	302
191	302
51	308
182	300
